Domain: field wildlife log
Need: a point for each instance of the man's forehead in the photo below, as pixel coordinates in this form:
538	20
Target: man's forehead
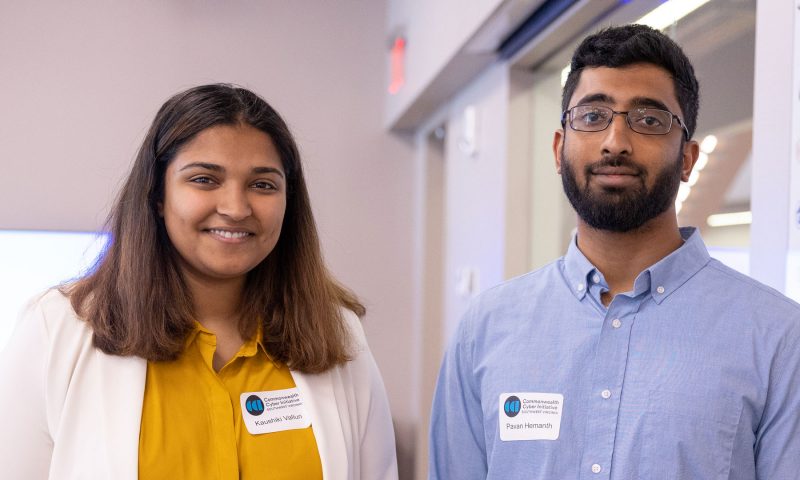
640	84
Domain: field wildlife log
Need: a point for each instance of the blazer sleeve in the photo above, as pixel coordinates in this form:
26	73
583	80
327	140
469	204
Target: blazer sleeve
377	456
26	444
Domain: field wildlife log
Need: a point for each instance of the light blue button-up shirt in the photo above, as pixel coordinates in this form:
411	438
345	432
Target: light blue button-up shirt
695	374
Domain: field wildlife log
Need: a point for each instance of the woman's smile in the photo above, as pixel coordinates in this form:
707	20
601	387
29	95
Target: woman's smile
229	236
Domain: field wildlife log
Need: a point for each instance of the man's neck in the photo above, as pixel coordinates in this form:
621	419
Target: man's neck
622	256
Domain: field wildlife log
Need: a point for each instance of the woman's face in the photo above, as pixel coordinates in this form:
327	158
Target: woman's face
224	201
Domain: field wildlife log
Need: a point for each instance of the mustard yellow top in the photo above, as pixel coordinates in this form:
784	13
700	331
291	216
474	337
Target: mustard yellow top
192	424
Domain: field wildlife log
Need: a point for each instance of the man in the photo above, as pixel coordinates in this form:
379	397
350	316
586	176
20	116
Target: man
636	355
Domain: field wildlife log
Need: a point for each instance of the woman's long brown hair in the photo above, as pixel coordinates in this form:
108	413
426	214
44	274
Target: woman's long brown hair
135	298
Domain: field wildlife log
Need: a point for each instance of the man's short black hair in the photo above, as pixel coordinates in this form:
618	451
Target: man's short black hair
617	47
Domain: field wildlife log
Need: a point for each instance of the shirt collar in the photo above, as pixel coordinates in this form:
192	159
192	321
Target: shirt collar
672	271
577	269
661	278
248	348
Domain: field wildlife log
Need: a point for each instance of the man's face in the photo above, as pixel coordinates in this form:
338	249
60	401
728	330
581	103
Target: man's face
617	179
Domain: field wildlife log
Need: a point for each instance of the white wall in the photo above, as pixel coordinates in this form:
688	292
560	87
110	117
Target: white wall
460	212
475	186
775	142
552	217
81	80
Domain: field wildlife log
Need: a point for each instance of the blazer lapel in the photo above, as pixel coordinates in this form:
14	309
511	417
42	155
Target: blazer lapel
122	388
319	399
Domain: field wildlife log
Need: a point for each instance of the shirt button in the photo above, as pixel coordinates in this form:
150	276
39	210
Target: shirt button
660	289
606	394
596	278
580	287
616	323
596	468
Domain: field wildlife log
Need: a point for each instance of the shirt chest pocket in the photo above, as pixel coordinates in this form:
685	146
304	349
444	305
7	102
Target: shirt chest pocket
688	435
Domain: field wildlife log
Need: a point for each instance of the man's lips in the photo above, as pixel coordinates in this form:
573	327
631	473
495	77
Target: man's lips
614	176
609	170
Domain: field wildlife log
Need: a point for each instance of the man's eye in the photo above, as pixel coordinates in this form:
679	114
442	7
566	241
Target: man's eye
591	117
651	121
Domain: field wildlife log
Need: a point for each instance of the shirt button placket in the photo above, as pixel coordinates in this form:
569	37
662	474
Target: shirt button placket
612	348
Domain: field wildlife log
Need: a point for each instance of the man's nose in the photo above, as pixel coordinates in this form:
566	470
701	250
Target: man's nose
617	137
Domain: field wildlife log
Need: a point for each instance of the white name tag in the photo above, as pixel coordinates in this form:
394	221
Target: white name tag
530	416
274	411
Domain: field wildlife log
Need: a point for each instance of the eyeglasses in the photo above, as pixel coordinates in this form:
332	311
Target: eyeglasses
647	121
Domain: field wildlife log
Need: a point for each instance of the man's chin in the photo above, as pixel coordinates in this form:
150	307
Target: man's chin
609	198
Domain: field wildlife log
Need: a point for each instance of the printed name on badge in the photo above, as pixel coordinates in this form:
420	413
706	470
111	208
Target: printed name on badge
530	416
274	411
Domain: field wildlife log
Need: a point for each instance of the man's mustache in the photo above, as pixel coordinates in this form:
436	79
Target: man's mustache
618	161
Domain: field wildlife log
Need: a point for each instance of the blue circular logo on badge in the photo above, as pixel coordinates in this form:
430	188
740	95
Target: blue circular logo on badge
512	406
254	405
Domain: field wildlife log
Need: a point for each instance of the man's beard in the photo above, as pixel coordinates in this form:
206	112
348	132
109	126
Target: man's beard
620	209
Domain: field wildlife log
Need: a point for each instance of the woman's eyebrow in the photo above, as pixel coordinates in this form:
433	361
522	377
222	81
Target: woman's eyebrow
268	170
208	166
219	168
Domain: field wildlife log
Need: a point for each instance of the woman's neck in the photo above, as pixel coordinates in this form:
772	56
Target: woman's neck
217	308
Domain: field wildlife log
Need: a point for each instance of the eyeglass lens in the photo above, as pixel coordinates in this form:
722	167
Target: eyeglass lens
649	121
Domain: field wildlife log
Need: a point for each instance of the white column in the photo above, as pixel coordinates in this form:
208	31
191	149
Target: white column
775	153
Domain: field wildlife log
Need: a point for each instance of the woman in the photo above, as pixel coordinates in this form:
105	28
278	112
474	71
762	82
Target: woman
209	341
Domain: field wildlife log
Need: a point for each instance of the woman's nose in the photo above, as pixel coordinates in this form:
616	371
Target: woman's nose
233	203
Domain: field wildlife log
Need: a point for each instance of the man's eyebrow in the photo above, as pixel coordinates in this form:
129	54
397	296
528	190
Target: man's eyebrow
596	98
635	102
648	102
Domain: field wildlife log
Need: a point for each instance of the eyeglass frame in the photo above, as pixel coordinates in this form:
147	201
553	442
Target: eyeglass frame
568	111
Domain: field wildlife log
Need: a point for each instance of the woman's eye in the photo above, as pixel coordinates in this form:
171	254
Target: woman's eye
264	186
202	180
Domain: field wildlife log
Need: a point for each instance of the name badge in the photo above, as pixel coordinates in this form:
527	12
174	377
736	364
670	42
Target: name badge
530	416
274	411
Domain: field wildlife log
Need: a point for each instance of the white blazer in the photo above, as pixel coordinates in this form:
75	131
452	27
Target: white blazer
70	411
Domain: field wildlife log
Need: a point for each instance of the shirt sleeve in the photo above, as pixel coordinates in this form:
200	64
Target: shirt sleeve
25	443
457	440
777	446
